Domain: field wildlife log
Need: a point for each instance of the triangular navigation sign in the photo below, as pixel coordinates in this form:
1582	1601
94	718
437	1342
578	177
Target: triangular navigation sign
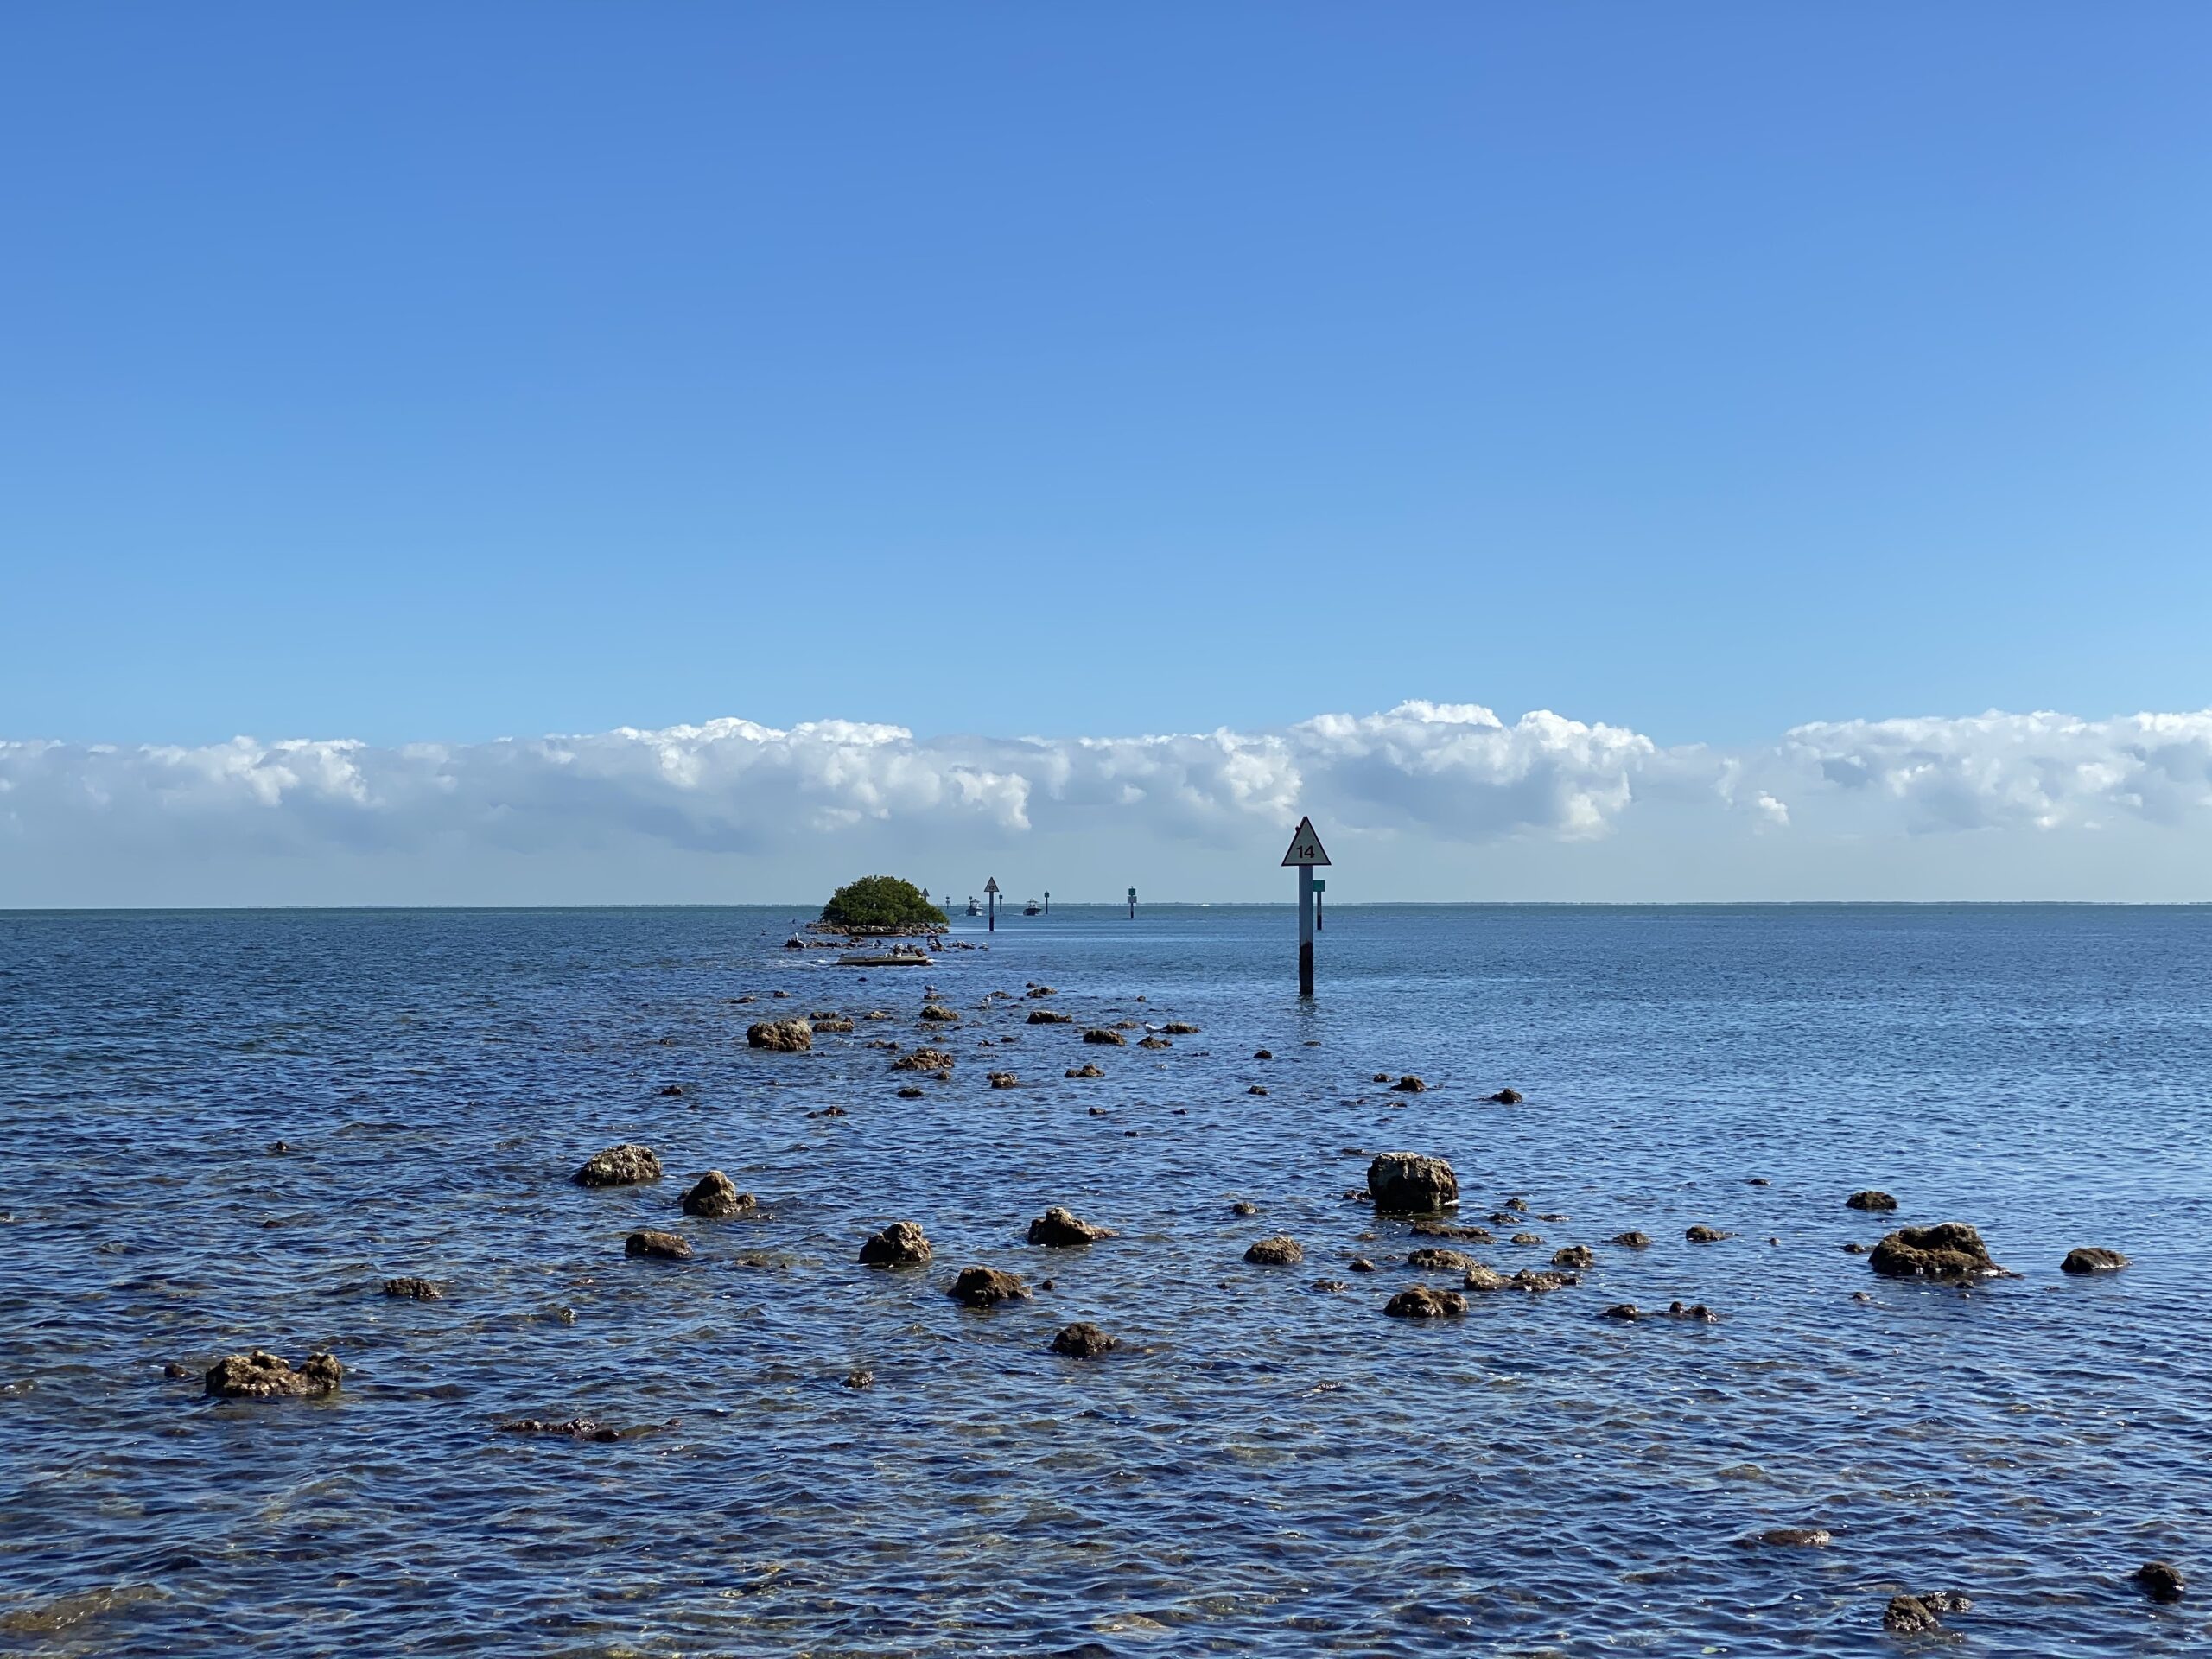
1305	846
991	886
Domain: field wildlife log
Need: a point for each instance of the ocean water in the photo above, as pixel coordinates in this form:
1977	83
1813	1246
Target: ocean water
1263	1466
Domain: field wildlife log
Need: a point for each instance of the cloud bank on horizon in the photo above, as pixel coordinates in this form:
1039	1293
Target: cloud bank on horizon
1436	800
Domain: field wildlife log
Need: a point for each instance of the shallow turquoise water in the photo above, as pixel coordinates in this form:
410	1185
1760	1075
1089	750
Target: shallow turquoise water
1264	1466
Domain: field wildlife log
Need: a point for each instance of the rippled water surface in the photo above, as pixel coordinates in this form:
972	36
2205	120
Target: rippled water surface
1264	1466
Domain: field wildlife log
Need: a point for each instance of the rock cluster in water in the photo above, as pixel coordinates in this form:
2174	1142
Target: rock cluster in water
1949	1250
626	1165
261	1375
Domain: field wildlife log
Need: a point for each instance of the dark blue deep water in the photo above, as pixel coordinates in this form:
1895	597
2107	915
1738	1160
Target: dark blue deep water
1264	1466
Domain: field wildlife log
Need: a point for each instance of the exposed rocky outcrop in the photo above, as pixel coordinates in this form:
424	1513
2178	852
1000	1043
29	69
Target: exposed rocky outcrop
1434	1259
1409	1085
899	1245
938	1014
987	1288
780	1036
1527	1241
1701	1234
1002	1079
829	1022
1627	1312
908	1091
1871	1198
1106	1036
1409	1182
1793	1537
652	1244
1481	1276
715	1196
1179	1028
1419	1302
1280	1251
1041	990
1949	1250
1083	1340
1155	1042
1536	1280
1633	1241
419	1290
1507	1097
624	1166
2090	1258
1916	1615
1578	1256
1059	1229
1263	1054
1086	1070
261	1375
1050	1017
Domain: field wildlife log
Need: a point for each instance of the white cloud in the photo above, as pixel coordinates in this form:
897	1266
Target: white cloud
1424	778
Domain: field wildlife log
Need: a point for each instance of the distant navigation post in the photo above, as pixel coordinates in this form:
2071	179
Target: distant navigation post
991	905
1307	853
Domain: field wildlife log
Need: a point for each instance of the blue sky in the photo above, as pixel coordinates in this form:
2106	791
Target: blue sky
424	373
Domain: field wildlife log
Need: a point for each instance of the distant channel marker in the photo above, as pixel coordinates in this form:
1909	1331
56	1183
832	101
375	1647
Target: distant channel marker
1306	852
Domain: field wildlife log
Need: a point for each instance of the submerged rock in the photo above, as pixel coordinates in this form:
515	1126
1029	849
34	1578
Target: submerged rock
1871	1198
1155	1042
1083	1340
1796	1537
1507	1097
1408	1181
1256	1089
261	1375
1628	1312
2088	1258
1697	1311
1473	1235
1086	1070
1059	1229
1244	1207
1633	1241
860	1380
1949	1250
1419	1302
1409	1085
1280	1251
1916	1615
2160	1581
419	1290
715	1196
1050	1017
1527	1240
899	1245
1002	1079
624	1166
1105	1035
922	1059
575	1428
652	1243
780	1036
1179	1028
1701	1234
987	1288
1263	1054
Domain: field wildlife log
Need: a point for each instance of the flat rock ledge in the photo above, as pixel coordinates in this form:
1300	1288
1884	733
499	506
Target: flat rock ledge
261	1375
626	1165
902	1244
1950	1251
